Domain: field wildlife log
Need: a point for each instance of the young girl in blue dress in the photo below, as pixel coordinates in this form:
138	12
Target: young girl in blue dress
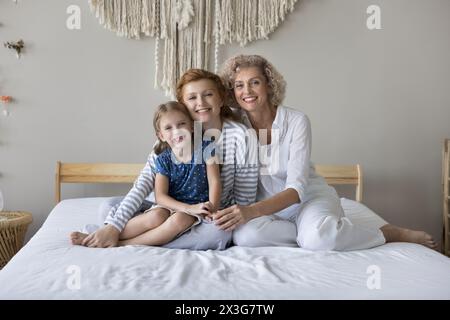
187	182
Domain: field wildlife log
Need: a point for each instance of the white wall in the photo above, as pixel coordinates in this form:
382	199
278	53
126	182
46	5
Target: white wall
380	98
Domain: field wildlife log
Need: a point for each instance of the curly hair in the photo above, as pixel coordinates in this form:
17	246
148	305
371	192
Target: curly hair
192	75
274	79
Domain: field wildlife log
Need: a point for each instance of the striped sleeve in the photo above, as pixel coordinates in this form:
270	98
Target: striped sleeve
241	142
143	186
247	169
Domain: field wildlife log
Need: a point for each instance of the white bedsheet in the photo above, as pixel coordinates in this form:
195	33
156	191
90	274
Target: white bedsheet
47	268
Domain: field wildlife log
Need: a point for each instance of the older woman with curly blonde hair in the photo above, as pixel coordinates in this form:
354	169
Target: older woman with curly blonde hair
295	206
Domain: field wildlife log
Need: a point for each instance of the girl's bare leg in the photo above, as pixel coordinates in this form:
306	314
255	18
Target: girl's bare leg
144	222
396	234
166	232
134	227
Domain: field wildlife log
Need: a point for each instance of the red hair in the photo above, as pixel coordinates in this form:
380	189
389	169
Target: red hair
193	75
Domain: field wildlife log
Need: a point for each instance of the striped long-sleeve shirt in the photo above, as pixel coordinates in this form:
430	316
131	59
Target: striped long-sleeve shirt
239	174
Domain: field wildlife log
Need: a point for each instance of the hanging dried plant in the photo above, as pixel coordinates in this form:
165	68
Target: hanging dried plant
5	100
18	46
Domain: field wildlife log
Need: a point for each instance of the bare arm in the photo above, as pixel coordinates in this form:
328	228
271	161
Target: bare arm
228	219
162	198
214	183
162	194
275	203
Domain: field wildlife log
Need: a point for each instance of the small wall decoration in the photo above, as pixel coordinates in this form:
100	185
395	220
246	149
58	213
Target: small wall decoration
1	201
187	28
5	100
17	46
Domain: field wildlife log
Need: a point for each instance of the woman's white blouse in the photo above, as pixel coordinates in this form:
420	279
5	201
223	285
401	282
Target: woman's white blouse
285	163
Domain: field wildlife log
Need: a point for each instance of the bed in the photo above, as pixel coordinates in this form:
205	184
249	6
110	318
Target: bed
49	267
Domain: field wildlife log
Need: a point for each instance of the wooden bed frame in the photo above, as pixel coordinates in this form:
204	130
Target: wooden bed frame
446	197
128	172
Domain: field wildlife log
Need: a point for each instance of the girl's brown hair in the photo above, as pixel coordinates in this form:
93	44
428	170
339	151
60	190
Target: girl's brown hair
163	109
199	74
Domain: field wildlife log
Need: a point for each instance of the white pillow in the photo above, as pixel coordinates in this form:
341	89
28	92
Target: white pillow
360	214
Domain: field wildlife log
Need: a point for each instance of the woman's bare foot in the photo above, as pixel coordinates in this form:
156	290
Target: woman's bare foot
396	234
77	237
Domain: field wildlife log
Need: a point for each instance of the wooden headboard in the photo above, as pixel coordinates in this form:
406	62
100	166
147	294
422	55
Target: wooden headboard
128	172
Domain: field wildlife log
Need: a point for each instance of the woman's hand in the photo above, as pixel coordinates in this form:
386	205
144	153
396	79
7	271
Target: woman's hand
230	218
105	237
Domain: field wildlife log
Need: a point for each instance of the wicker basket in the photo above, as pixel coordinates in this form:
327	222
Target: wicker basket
13	226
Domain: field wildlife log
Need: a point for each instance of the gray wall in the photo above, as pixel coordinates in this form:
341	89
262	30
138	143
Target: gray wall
380	98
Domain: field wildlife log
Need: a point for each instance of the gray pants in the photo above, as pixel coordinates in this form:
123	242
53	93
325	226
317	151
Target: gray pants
204	236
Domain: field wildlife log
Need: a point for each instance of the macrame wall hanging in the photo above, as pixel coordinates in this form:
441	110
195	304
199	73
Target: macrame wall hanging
188	28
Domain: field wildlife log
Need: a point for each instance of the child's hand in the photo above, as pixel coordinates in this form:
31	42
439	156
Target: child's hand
204	209
212	210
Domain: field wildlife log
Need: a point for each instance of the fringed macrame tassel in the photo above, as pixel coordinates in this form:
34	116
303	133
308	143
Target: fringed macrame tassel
184	48
186	28
244	21
168	33
184	13
156	22
217	14
206	36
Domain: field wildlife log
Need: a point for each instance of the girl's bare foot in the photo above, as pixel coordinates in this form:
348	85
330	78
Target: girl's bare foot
396	234
77	237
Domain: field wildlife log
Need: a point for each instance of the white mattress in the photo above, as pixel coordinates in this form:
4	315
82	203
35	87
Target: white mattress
47	268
